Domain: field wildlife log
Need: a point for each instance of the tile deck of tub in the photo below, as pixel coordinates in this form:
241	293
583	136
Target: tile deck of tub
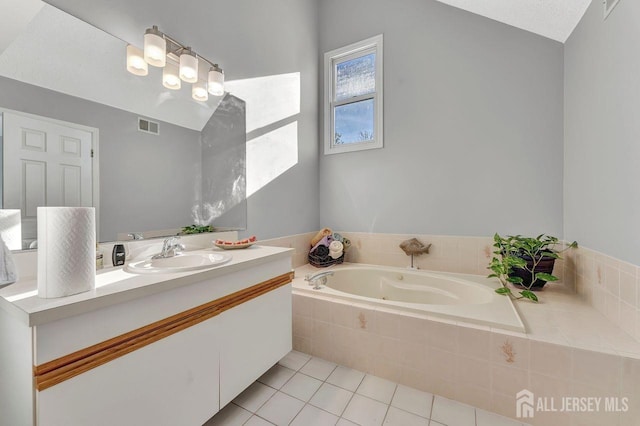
309	391
560	317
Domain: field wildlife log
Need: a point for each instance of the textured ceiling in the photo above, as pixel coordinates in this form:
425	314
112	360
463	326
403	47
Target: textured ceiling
554	19
15	16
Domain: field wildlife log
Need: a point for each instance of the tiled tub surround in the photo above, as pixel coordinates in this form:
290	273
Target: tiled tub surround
570	350
609	285
299	242
467	255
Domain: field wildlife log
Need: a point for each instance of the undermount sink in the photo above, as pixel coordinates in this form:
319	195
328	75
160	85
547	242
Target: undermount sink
182	262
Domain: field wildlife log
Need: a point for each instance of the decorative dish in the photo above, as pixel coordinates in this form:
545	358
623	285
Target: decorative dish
231	245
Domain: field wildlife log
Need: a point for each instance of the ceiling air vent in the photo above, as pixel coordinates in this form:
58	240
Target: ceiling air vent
608	6
148	126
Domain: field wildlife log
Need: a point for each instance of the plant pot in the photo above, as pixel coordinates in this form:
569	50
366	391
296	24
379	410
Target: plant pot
545	265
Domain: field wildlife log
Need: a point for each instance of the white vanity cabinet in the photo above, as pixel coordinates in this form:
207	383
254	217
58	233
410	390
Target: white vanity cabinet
173	381
248	344
171	356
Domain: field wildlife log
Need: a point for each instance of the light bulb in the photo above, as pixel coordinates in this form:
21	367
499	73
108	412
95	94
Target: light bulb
135	61
170	78
216	81
189	66
155	47
199	91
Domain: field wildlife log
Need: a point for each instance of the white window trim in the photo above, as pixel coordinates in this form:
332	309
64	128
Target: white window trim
353	50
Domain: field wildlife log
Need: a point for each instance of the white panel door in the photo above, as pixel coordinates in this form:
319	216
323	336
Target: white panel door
45	163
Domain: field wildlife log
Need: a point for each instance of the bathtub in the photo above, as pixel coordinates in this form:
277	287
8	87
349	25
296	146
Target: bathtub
458	297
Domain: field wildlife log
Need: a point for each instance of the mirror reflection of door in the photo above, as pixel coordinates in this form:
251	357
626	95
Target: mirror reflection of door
46	162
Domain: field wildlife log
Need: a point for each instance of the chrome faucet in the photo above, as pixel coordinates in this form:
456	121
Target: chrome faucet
170	248
318	279
135	236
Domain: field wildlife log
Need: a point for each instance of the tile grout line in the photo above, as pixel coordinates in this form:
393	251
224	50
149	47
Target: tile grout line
352	395
322	382
395	389
276	391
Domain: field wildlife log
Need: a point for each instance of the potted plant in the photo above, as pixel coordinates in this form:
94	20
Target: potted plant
526	262
196	229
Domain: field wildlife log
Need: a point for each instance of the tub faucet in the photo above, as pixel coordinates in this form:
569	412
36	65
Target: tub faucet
318	279
170	248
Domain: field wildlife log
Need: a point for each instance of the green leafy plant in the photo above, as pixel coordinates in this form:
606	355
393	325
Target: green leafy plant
196	229
523	255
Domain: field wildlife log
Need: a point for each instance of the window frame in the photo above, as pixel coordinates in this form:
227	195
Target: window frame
331	60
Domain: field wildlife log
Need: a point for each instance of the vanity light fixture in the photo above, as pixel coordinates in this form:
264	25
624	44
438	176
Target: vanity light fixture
178	62
155	47
135	61
170	76
199	91
188	66
216	80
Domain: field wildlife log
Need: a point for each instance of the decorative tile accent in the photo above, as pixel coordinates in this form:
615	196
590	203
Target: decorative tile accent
508	351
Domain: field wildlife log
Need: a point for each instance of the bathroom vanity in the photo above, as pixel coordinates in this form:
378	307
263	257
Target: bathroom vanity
148	349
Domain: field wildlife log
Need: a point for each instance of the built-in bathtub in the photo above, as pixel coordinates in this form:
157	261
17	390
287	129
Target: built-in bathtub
458	297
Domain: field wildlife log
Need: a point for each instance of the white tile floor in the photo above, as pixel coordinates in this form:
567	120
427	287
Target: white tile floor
305	391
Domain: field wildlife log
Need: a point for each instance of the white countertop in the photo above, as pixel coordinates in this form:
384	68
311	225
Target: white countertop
114	285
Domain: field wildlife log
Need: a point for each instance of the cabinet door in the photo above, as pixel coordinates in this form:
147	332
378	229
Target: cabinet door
173	381
253	336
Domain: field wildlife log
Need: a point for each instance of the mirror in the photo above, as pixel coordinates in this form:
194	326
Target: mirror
191	171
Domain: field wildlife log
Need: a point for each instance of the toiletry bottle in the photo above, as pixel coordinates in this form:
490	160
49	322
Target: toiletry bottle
118	255
99	258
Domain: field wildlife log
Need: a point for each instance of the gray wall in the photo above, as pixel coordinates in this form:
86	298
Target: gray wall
602	129
473	125
147	182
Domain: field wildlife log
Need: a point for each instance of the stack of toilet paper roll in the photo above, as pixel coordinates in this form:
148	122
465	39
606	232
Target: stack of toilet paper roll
335	249
66	251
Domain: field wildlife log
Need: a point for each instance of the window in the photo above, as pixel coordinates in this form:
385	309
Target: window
353	97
